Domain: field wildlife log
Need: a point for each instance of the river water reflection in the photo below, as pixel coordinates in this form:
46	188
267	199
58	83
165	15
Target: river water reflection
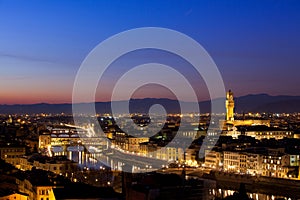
85	159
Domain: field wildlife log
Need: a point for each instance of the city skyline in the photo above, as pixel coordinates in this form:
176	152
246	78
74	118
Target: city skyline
134	100
254	44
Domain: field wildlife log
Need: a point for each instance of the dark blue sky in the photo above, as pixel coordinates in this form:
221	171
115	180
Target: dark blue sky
255	43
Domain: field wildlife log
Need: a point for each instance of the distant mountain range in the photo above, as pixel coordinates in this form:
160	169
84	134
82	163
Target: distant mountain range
248	103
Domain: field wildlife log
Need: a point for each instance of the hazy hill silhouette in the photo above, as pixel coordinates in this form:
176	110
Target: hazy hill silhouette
267	103
248	103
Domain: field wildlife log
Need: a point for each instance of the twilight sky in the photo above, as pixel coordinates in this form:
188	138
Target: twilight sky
255	43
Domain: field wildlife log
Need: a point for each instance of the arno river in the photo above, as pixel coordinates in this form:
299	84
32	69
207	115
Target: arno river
214	188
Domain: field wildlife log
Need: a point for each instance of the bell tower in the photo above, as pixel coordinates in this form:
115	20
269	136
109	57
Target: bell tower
229	106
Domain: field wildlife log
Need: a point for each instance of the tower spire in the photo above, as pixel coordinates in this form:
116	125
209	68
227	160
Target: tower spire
229	106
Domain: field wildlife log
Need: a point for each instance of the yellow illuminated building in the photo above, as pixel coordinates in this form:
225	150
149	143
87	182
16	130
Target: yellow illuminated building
15	196
12	154
35	192
231	122
229	106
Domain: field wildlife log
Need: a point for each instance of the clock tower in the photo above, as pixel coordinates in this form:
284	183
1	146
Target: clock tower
229	106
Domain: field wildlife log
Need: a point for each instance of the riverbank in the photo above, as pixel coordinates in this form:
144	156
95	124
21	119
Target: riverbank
253	184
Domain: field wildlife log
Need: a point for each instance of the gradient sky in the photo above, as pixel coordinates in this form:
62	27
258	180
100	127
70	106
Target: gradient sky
255	43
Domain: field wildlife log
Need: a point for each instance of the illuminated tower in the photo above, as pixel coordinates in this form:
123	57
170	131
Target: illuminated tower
10	120
229	106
